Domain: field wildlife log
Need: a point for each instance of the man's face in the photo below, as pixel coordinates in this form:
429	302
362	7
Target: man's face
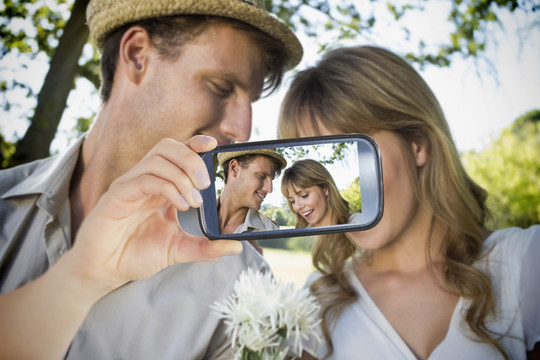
251	183
207	90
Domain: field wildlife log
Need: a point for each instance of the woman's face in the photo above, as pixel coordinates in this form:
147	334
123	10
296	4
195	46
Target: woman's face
311	203
401	218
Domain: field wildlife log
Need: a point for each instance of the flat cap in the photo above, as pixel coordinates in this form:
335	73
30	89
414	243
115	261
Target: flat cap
223	157
105	16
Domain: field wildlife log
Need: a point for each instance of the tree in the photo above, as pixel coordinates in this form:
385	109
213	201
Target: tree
510	171
58	83
352	195
281	215
62	42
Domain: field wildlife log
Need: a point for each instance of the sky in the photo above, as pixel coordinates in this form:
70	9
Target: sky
478	101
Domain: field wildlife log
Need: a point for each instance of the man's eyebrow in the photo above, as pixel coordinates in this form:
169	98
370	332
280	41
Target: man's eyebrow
234	79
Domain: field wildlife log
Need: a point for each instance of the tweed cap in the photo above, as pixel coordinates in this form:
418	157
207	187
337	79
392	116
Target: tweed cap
225	156
105	16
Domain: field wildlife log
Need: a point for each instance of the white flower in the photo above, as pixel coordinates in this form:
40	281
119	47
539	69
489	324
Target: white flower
262	313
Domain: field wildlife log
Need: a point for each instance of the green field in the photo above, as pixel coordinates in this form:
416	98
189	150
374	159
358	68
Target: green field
289	265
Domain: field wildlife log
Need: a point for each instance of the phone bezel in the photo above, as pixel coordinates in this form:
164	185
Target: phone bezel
207	213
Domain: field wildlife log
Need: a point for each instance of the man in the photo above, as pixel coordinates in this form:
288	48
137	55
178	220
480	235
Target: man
77	230
248	179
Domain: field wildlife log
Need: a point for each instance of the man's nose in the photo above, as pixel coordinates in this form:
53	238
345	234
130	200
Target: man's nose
236	124
267	186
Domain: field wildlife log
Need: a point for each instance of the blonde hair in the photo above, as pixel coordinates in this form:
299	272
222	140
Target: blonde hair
307	173
367	89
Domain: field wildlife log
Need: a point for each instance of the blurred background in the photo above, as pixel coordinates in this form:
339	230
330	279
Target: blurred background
480	57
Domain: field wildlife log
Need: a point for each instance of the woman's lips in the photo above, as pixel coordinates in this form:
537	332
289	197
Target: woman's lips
307	214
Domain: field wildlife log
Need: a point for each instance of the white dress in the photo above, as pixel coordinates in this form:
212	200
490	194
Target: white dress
362	331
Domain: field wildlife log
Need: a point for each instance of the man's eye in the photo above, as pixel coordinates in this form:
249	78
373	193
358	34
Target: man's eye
222	90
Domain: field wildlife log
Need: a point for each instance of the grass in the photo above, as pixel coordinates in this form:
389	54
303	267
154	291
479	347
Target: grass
289	265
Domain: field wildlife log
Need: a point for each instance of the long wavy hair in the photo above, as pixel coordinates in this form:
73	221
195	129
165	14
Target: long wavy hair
367	89
307	173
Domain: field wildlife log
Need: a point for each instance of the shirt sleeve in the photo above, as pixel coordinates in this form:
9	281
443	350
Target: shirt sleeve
530	288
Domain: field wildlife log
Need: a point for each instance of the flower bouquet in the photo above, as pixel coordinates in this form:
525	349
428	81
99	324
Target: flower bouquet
265	317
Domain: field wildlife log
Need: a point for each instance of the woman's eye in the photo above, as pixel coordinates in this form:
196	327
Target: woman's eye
305	195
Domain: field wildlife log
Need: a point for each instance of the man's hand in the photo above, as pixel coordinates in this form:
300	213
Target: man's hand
133	231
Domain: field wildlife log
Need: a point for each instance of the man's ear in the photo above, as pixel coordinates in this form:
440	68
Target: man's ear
420	152
135	47
233	168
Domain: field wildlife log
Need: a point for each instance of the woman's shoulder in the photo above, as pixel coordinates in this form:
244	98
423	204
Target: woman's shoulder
509	246
315	275
355	218
312	278
513	237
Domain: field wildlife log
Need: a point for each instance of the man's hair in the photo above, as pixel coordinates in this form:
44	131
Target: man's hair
245	160
169	33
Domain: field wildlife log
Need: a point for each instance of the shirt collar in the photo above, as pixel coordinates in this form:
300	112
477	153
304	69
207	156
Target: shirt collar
50	179
252	222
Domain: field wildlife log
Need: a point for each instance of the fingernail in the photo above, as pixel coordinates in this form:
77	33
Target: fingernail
238	248
202	178
197	198
183	201
206	138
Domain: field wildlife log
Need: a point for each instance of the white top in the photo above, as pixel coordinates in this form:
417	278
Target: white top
362	331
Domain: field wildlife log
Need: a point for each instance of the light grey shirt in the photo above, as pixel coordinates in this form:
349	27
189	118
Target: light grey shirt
256	221
164	317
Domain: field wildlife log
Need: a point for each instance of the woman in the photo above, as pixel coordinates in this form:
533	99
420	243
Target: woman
430	280
313	196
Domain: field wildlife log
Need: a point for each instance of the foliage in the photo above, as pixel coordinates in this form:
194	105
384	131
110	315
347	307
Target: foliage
294	153
297	244
31	30
510	171
34	31
6	151
282	215
352	195
353	19
47	20
301	243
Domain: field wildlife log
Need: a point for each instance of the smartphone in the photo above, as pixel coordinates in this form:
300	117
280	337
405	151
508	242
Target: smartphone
351	162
